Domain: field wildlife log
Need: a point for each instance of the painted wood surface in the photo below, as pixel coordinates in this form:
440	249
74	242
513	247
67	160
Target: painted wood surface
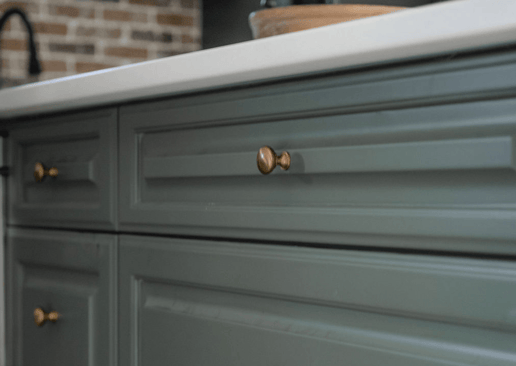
2	256
420	156
83	147
73	274
216	303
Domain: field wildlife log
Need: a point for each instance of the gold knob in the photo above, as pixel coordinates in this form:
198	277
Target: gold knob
40	317
40	172
267	160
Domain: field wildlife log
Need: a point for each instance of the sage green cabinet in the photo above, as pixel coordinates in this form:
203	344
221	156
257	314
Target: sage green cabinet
390	241
192	302
83	149
418	157
72	274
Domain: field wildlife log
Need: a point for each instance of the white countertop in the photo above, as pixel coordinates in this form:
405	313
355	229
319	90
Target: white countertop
407	34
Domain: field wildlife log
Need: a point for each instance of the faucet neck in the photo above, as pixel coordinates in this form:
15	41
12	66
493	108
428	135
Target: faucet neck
34	66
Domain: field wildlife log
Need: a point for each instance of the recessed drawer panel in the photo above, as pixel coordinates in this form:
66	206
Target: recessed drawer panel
434	177
217	303
64	172
61	298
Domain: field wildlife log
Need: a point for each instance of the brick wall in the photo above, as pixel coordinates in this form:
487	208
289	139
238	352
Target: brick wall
76	36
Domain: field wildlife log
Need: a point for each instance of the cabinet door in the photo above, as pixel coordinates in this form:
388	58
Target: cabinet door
191	302
70	276
81	189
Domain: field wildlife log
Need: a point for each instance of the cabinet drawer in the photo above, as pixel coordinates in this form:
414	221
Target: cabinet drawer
83	149
205	303
434	177
73	275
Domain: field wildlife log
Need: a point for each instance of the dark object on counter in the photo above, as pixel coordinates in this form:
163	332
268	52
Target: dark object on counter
274	3
4	171
34	66
306	2
225	22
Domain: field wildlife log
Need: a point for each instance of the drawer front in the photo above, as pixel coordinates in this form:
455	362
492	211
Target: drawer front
73	275
191	302
431	177
83	149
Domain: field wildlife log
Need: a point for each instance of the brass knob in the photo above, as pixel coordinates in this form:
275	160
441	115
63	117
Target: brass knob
40	172
267	160
40	317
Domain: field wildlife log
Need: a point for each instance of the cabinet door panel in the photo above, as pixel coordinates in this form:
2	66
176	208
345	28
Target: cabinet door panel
68	339
83	148
72	274
215	303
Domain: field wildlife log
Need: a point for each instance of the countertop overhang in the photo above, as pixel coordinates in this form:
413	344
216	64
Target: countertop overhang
459	25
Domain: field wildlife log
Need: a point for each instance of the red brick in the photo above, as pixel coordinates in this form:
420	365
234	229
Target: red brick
174	19
14	44
5	63
98	32
185	38
126	52
71	11
85	49
162	3
27	7
81	67
124	16
50	28
150	36
53	66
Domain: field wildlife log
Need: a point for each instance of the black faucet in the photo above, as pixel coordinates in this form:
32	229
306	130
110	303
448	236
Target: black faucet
34	67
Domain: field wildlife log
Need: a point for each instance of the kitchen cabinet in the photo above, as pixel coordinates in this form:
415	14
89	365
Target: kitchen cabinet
73	275
199	302
390	239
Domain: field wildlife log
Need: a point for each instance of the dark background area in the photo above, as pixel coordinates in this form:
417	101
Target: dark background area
225	21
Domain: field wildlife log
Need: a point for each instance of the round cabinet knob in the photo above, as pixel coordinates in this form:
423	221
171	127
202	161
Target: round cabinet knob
40	317
267	160
40	172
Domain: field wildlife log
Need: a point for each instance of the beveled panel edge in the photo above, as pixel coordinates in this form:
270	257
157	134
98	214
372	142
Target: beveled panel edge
467	247
408	338
483	231
60	239
180	257
23	122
